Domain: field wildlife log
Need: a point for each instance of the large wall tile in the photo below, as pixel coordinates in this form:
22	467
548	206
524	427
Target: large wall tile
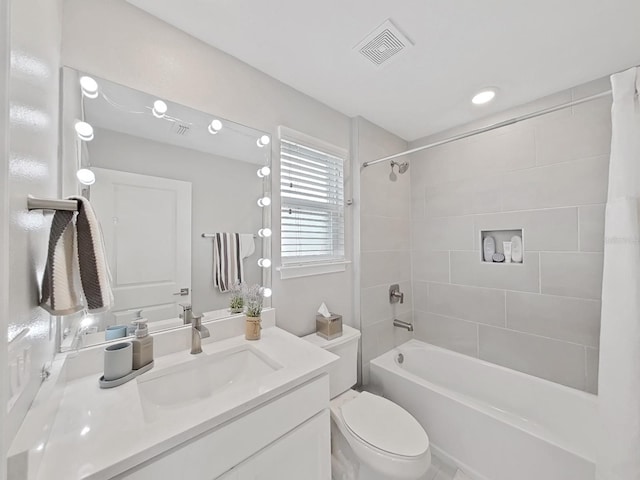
575	137
477	195
375	305
553	229
420	295
579	182
451	333
443	233
482	305
430	266
593	358
384	233
385	268
571	274
467	269
551	359
571	319
592	228
504	150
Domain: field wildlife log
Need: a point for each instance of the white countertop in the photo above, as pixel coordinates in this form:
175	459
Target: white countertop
99	433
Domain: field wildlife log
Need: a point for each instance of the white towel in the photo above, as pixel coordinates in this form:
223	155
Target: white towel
227	262
76	275
247	245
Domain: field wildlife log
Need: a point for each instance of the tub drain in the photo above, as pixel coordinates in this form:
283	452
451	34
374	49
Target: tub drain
400	358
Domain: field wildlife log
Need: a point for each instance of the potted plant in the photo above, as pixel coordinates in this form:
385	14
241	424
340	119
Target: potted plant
236	304
253	302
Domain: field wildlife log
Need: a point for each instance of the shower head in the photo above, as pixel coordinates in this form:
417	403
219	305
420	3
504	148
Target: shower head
402	168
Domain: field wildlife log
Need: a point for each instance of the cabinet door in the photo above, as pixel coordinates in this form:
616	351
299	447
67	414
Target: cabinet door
303	453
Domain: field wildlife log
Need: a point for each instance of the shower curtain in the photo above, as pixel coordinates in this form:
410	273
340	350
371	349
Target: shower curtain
619	376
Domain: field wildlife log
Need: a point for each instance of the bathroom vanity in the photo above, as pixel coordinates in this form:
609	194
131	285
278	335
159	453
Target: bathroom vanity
239	410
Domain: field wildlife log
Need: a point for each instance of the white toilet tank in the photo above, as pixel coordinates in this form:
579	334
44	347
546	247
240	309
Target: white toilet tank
344	373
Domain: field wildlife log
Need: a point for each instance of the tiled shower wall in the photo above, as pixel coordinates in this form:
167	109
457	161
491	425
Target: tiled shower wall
548	177
385	226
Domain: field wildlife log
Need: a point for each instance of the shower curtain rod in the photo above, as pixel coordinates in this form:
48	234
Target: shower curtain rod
488	128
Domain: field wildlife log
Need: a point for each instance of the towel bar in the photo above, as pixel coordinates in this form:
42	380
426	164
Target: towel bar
211	235
34	203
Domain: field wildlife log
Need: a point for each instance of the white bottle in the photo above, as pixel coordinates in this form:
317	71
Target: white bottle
507	251
489	247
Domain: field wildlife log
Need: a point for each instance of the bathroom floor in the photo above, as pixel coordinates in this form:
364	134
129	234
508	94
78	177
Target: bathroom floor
441	471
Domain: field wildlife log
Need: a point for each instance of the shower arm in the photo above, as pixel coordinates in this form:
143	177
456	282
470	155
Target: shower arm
488	128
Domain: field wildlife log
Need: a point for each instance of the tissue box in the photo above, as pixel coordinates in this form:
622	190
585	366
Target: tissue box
329	328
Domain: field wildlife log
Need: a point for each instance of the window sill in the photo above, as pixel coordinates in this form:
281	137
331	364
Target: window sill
311	269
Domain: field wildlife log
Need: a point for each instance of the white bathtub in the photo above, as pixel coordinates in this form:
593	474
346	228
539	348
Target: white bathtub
492	422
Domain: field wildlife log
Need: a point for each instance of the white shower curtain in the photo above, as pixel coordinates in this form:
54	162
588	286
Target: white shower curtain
619	381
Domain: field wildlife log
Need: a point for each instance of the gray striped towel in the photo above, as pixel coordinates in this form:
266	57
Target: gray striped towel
227	261
76	275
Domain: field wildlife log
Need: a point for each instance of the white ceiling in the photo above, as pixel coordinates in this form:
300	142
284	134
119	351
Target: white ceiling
528	49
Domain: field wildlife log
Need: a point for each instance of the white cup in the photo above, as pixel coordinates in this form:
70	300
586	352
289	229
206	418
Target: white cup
118	360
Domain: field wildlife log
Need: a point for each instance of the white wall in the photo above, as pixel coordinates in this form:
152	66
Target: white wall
31	169
385	256
121	43
547	176
224	193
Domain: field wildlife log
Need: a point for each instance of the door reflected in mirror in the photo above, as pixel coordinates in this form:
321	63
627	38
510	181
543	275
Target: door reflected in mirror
164	179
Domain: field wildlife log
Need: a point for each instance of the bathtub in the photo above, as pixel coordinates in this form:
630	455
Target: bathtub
492	422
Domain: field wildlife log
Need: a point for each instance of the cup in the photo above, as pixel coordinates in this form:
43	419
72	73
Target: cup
118	360
115	331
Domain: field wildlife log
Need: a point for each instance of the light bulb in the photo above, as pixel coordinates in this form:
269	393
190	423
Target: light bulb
483	97
89	87
265	232
264	172
84	131
266	292
264	202
86	176
263	140
264	263
215	126
159	109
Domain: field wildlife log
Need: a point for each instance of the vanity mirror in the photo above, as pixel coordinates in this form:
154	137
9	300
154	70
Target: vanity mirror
164	179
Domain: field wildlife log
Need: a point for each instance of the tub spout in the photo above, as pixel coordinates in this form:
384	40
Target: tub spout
403	324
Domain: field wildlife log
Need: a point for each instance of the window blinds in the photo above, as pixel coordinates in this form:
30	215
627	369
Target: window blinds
312	198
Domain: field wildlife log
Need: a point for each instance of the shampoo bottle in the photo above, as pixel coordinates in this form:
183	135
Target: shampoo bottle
142	345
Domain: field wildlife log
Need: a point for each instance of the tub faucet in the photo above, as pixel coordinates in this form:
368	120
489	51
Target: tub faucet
403	324
198	332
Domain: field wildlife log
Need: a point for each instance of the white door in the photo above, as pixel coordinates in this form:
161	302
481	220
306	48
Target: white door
146	222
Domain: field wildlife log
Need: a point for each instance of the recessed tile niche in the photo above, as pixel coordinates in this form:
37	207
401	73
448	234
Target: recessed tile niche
501	236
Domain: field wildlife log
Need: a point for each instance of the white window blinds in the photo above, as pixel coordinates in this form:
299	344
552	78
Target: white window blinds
312	198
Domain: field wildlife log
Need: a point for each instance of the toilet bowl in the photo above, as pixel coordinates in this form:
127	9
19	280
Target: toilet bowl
372	438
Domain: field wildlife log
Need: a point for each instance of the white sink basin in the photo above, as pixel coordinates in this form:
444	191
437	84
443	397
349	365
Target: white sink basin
201	378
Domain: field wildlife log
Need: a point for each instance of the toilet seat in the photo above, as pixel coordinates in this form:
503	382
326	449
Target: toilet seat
384	426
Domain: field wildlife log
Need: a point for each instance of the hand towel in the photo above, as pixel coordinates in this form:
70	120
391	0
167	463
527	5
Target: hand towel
60	290
247	245
227	262
92	260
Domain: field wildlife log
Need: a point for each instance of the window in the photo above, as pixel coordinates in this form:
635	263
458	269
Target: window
312	200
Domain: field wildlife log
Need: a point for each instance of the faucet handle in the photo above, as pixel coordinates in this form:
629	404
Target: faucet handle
196	321
185	306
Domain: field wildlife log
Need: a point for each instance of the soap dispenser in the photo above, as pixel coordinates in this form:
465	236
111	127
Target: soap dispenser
131	328
142	345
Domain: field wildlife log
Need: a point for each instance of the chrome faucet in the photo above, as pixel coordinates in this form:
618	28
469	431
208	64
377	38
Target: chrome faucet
198	332
187	313
402	324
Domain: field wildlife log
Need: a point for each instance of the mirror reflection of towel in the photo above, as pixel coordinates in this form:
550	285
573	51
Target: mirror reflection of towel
227	262
247	245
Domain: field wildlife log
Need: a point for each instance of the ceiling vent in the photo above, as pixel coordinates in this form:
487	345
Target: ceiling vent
181	129
383	44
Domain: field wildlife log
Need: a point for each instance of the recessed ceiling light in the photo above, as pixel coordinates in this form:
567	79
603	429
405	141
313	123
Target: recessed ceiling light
484	96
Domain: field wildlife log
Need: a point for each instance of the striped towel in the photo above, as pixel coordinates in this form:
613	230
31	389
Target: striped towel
76	276
227	261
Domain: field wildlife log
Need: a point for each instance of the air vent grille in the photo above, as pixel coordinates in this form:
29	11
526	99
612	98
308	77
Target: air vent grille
383	43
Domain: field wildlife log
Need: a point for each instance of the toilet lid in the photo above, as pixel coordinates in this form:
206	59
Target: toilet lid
385	425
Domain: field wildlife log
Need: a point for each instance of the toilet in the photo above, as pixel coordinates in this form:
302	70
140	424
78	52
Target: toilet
372	438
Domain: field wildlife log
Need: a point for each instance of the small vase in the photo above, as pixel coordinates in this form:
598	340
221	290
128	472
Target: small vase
252	328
